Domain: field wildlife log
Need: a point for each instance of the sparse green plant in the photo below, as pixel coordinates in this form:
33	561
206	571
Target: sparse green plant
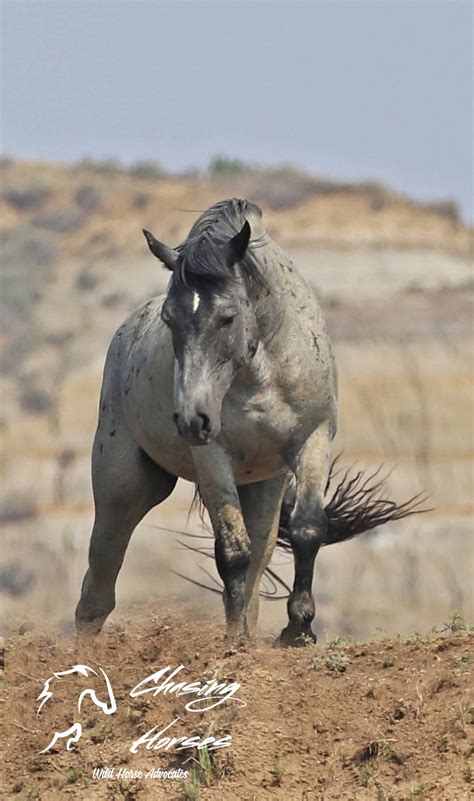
305	639
343	641
388	662
335	661
414	639
364	776
200	775
418	791
382	795
192	787
205	763
464	718
454	624
460	661
101	734
72	777
278	771
17	787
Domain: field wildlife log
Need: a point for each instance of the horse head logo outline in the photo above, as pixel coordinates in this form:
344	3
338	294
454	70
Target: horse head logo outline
108	707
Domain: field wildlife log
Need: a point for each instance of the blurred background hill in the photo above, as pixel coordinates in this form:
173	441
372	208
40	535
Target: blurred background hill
394	277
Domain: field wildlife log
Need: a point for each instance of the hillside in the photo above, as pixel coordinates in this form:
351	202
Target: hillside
389	720
97	210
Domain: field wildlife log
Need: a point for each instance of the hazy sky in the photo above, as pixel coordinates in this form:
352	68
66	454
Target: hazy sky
351	89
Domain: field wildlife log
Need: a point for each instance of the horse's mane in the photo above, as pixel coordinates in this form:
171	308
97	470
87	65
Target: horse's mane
201	258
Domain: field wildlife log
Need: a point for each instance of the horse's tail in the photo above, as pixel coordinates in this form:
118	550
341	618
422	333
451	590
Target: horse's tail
357	505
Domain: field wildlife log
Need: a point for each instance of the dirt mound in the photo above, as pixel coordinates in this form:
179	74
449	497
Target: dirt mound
381	720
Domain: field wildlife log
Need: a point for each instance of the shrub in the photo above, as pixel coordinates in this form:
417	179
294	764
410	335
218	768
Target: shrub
88	198
5	162
17	507
222	166
448	209
112	300
35	400
87	280
140	200
284	188
25	198
148	170
60	220
28	258
101	167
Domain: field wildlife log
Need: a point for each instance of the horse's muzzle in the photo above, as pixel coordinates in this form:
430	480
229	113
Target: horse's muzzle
196	430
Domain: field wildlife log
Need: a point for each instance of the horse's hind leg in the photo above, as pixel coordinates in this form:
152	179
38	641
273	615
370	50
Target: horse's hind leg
261	504
306	529
127	484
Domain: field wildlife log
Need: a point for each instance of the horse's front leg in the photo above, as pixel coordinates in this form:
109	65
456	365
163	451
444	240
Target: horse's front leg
306	529
232	544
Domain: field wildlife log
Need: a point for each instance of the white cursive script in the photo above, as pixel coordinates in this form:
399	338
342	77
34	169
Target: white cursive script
153	739
211	693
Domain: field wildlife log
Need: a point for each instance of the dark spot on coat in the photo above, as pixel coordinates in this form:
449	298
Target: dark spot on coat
103	408
112	433
101	447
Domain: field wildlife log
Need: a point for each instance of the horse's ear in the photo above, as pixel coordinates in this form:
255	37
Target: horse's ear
237	246
166	255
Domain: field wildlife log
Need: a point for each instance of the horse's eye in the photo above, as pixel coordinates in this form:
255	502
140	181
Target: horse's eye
226	321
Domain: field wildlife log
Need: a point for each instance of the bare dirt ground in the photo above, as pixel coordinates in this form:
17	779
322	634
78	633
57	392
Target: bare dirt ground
381	720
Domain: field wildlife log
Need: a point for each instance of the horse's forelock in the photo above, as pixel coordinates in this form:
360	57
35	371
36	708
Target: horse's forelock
202	259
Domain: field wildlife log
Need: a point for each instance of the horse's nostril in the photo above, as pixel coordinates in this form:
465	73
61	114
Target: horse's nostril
206	423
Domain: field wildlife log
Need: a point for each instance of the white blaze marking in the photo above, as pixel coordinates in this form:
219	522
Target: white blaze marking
196	301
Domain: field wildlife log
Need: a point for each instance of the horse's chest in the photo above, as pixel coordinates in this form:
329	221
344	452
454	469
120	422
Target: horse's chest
257	430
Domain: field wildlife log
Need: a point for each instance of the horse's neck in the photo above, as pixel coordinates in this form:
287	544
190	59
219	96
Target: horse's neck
270	300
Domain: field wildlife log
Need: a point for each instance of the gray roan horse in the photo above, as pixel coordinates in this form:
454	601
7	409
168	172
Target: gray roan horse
228	381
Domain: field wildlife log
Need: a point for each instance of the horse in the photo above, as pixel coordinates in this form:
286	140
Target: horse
228	381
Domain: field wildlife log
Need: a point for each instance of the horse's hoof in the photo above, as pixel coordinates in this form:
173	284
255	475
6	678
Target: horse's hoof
296	638
86	629
236	642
